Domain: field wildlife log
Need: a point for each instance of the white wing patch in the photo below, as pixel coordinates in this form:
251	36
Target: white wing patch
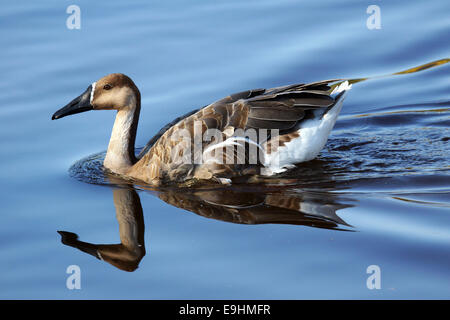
208	157
313	135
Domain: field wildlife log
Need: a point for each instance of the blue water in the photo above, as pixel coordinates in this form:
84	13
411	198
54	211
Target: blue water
385	169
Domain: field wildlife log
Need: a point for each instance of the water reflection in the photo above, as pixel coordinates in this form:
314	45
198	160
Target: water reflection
128	253
262	206
281	206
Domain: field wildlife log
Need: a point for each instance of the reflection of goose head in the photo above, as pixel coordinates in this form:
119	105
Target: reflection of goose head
127	254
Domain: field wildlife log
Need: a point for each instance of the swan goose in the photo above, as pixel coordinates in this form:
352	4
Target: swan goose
296	121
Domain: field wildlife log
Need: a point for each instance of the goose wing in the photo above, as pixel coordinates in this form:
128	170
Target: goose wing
278	111
279	108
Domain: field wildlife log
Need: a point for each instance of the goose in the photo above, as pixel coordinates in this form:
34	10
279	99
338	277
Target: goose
283	126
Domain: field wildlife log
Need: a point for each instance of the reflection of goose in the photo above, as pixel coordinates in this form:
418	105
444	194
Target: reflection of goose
281	207
276	206
127	254
302	114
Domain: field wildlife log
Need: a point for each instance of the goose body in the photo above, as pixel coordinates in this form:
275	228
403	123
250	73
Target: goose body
254	132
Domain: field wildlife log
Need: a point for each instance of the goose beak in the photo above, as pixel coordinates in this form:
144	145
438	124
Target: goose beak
81	103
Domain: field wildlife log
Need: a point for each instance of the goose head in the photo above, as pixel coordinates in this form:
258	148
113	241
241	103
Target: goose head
115	91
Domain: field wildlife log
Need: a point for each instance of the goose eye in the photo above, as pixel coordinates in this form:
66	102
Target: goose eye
107	86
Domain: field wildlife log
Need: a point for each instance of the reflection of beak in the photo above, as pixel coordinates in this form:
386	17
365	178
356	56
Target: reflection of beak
71	239
81	103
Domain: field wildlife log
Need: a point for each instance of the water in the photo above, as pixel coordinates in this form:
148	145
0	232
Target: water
379	193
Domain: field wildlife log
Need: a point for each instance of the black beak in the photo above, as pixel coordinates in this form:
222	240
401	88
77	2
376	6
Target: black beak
81	103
